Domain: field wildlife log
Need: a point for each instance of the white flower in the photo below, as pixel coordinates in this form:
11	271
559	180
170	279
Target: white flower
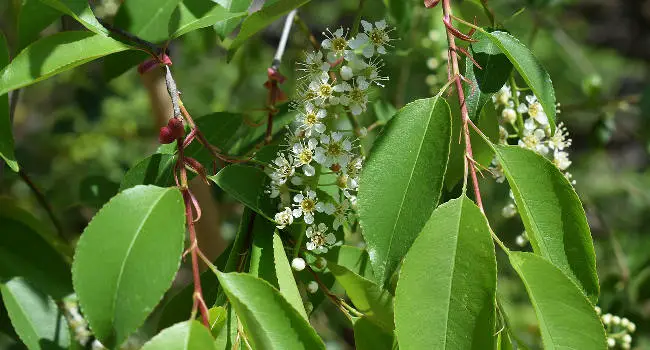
536	111
561	160
509	211
377	37
310	119
503	96
522	108
312	287
611	342
533	140
304	154
273	189
324	91
371	71
358	96
335	150
337	43
319	239
559	140
298	264
314	65
521	240
283	168
352	170
598	310
305	205
509	115
346	73
284	218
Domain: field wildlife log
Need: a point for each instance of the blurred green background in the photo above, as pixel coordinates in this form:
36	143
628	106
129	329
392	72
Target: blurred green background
78	133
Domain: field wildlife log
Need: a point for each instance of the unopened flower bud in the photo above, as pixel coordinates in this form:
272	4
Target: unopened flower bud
309	307
611	342
320	263
616	320
298	264
346	73
166	135
607	319
176	127
312	287
627	339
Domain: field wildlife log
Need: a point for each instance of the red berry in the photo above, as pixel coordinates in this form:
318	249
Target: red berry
166	135
176	127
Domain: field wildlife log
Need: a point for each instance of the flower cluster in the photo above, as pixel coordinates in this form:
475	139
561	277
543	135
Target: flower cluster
77	322
525	121
336	80
619	330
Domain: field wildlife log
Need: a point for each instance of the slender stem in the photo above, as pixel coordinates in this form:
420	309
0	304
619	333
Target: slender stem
283	40
42	200
198	292
453	58
357	20
520	118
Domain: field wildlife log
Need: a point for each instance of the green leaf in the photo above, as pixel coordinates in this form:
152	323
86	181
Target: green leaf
54	54
530	69
566	318
261	19
445	297
503	341
369	336
226	27
153	170
228	337
126	259
268	320
33	17
6	134
246	184
26	253
352	258
35	316
552	214
197	14
402	180
248	139
220	130
487	80
149	20
286	281
217	316
188	335
80	11
369	298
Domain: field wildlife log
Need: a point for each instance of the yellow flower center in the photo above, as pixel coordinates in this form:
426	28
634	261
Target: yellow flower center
307	205
305	156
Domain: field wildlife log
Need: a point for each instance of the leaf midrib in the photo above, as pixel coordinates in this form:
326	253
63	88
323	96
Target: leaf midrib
453	267
408	186
128	252
154	17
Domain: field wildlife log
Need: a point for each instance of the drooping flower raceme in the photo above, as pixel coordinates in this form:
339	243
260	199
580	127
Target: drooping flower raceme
315	175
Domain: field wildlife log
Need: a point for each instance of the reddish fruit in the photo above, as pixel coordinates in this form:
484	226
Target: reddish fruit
176	127
166	135
335	168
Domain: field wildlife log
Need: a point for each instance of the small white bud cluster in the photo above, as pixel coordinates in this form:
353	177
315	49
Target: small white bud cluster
522	240
335	80
77	322
619	330
536	137
435	63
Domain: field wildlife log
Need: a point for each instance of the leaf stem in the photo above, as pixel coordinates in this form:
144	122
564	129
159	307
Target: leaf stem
198	301
42	200
455	72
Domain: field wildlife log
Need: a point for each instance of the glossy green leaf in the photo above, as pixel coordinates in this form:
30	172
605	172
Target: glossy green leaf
530	69
35	316
228	336
445	297
566	318
487	80
369	336
352	258
126	259
248	139
188	335
269	321
552	214
217	316
261	19
226	27
402	180
369	298
26	253
286	281
80	11
6	134
33	17
246	184
220	130
150	20
197	14
54	54
153	170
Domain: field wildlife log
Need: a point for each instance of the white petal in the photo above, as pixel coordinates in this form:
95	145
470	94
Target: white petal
321	114
381	24
381	50
320	127
327	43
309	218
312	143
296	180
355	109
367	26
346	73
298	198
330	238
339	32
308	170
297	213
368	51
